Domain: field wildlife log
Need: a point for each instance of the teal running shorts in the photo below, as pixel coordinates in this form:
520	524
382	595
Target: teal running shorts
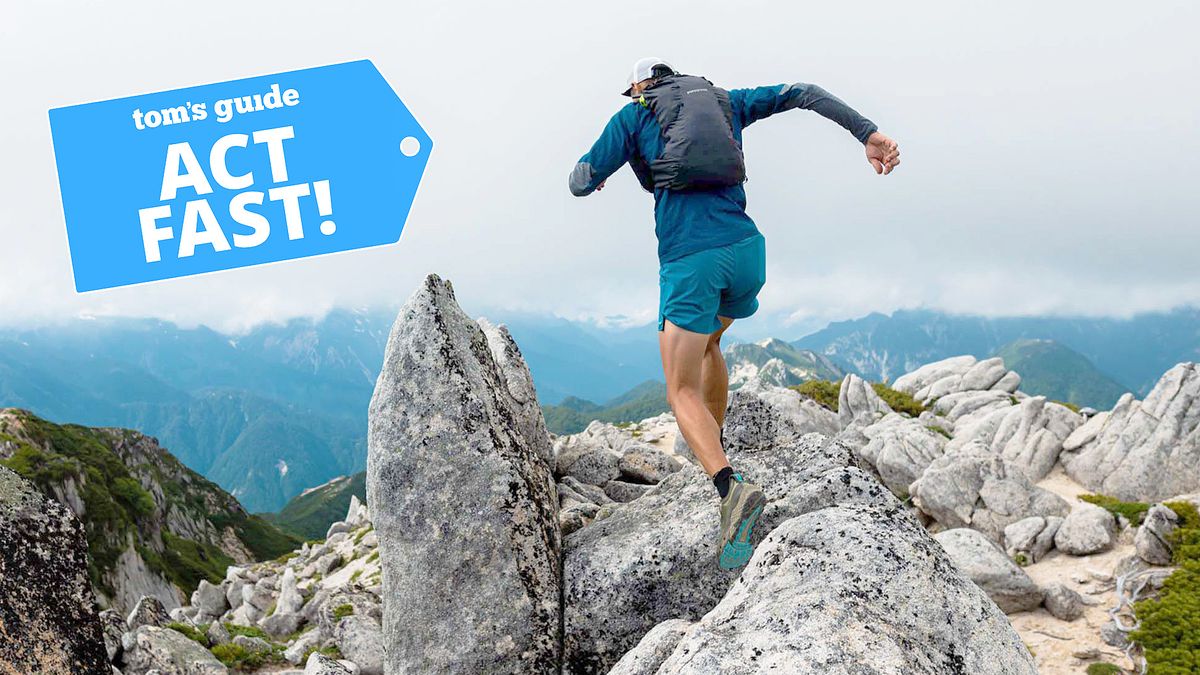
724	281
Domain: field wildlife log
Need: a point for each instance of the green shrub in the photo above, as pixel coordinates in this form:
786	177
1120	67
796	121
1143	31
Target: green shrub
823	392
186	562
1170	623
130	491
190	631
1103	669
1021	559
1133	511
901	402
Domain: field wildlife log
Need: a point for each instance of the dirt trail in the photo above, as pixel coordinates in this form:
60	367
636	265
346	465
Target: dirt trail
1055	642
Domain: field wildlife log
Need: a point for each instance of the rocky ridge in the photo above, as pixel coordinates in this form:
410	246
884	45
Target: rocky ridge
845	574
153	526
321	600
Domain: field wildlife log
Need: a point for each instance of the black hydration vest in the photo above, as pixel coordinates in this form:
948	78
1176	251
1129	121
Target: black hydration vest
699	150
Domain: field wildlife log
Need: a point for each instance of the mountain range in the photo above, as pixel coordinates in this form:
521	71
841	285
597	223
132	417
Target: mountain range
1133	351
281	408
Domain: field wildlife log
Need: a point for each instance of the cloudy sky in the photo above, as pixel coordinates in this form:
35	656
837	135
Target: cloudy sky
1049	151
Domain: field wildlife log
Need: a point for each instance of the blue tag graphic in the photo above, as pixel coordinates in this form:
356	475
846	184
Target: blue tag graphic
235	174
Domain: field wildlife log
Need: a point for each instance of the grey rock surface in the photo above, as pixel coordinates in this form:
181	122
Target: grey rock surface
295	652
453	474
112	626
654	559
1086	530
280	624
209	599
361	641
985	564
591	465
1153	539
851	589
319	664
1029	435
858	403
169	653
1142	450
1063	603
646	464
1032	537
652	650
622	491
48	617
148	611
520	387
289	601
773	417
217	634
974	487
957	374
901	449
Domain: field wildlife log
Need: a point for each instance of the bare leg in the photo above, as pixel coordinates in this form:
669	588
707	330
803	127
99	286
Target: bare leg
683	356
714	376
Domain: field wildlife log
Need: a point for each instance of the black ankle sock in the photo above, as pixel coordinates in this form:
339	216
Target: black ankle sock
721	480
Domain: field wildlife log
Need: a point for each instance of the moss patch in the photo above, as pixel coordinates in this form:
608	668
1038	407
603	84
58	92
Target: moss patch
901	402
342	611
248	631
192	632
824	392
239	658
1133	511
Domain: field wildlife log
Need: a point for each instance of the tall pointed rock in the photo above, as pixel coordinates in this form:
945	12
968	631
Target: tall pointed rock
462	497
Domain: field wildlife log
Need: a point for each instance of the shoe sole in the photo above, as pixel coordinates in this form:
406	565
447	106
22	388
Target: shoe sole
738	552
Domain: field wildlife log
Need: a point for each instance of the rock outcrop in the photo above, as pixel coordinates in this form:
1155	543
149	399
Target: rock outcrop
1029	435
654	558
957	374
900	449
982	562
162	650
463	499
975	487
1153	541
1143	450
136	501
851	588
1031	537
48	618
1087	529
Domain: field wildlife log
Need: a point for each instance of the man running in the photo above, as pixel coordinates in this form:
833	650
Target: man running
683	137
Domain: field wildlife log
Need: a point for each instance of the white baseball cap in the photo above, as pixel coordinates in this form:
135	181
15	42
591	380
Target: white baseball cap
643	69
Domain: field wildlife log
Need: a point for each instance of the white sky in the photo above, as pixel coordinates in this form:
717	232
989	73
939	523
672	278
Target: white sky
1049	150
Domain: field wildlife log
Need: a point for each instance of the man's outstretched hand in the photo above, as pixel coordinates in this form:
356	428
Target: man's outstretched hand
882	153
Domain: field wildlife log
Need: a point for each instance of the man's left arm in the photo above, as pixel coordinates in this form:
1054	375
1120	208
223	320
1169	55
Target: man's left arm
762	102
609	153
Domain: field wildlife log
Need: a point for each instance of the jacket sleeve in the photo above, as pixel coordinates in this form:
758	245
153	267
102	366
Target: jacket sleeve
609	153
760	102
